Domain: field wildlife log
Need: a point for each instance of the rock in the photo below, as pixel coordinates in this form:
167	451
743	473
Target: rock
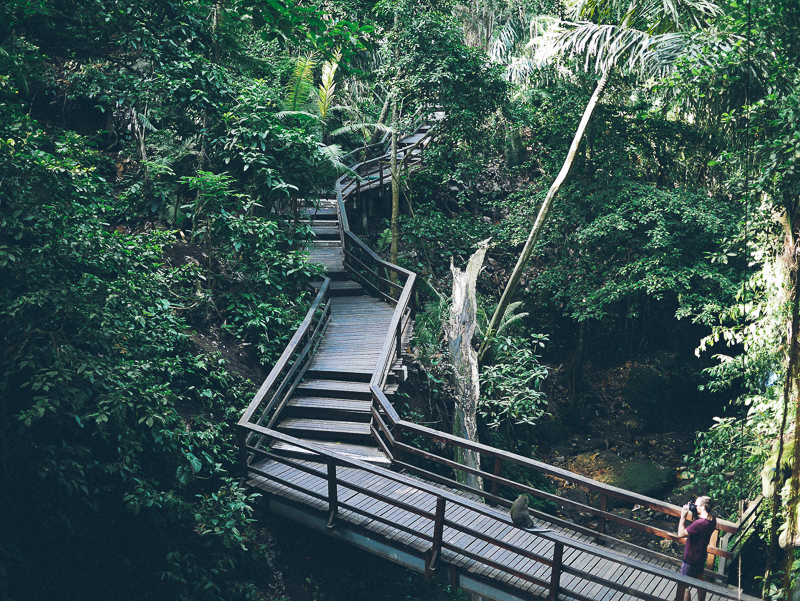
624	451
634	424
564	448
636	475
665	544
598	444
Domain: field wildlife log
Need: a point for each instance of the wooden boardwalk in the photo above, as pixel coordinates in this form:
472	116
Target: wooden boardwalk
324	444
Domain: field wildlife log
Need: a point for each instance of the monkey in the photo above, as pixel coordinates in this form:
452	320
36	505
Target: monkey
520	516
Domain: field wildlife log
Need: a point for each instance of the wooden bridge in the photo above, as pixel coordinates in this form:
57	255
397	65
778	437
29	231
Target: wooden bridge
324	444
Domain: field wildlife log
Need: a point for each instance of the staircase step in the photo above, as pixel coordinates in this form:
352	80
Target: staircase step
320	214
338	389
338	371
341	389
354	451
325	428
342	287
326	232
329	408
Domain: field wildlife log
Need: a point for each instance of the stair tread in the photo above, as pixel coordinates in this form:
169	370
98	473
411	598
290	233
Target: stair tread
308	402
320	386
356	451
323	425
340	285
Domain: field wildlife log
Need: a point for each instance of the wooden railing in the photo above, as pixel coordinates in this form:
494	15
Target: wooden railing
385	280
438	521
394	434
288	371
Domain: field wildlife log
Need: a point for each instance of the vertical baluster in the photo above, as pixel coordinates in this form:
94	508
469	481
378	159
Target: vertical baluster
241	435
398	440
438	532
498	465
400	337
555	571
601	524
333	494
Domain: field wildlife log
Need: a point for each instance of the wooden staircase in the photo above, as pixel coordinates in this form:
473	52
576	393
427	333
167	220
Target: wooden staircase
332	405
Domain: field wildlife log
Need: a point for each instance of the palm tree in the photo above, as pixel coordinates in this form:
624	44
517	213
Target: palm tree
642	37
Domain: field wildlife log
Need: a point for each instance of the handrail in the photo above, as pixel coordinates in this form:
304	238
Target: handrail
283	362
485	510
393	340
396	428
389	434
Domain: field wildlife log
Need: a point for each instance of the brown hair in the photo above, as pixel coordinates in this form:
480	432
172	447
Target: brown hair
705	502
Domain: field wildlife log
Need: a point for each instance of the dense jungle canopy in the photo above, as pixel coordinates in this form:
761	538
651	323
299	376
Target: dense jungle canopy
152	157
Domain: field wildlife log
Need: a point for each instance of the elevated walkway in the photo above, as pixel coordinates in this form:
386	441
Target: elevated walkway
323	442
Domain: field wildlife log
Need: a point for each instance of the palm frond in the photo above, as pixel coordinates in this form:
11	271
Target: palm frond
301	84
327	87
507	41
604	46
511	318
346	129
333	152
305	115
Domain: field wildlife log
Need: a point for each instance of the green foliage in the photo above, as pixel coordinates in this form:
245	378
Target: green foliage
627	242
511	387
432	234
118	428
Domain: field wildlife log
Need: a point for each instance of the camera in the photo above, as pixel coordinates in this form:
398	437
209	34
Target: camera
692	507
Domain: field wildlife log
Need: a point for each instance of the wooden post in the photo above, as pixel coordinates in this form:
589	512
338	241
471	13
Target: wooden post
601	525
438	531
712	543
398	437
380	169
498	465
241	435
555	571
333	495
400	337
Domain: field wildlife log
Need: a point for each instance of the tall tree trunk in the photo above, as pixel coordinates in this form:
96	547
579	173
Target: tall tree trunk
384	112
459	331
791	394
395	223
576	366
533	237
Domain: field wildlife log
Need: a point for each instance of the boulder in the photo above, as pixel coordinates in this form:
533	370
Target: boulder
634	474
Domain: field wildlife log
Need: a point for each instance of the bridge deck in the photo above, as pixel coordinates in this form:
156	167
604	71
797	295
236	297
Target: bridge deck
334	412
414	532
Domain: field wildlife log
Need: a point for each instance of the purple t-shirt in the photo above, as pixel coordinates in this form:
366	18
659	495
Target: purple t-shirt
700	532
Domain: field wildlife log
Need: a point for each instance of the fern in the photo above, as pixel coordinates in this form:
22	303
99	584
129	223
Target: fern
327	87
299	90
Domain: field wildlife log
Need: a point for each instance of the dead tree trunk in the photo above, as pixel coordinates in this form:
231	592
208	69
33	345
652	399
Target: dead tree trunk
459	331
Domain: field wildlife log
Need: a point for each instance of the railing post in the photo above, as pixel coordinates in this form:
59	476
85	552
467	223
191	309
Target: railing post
601	525
398	439
241	435
380	169
498	465
333	495
555	571
400	337
438	531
